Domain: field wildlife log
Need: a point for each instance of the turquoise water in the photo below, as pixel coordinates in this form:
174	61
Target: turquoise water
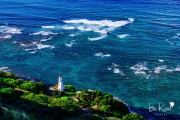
130	49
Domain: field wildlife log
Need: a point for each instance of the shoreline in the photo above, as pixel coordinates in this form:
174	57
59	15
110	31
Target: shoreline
141	111
94	102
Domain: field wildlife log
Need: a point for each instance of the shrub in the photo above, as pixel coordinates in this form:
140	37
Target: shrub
7	90
133	116
70	88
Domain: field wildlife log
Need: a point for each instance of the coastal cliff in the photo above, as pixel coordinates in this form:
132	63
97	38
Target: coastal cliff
31	100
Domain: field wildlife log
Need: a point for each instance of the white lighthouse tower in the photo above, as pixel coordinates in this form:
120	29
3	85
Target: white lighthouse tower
60	84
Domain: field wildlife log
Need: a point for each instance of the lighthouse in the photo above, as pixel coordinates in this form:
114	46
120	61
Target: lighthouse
60	84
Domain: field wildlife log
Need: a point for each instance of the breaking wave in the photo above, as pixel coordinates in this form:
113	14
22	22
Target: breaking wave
102	26
140	68
115	68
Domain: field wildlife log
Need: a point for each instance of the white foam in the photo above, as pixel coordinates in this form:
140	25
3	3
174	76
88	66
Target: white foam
159	68
13	30
41	46
114	65
22	44
3	68
122	36
45	33
85	28
160	60
140	72
178	34
48	27
5	36
7	31
140	68
177	69
43	40
174	41
33	52
131	20
101	26
6	69
100	54
14	42
118	71
28	49
109	68
70	44
169	70
34	43
74	34
97	38
115	69
101	22
171	43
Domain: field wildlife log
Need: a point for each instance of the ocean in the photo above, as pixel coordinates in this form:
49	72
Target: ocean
128	48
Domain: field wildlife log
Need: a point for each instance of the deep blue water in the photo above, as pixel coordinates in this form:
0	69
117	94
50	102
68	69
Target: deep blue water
129	48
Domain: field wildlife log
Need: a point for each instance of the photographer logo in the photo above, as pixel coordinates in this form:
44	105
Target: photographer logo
160	109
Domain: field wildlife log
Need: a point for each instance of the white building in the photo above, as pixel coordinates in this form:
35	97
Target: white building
60	84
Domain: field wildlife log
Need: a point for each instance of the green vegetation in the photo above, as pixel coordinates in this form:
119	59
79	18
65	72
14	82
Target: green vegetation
30	100
133	116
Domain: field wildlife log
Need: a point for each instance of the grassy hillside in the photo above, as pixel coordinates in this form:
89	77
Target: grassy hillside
30	100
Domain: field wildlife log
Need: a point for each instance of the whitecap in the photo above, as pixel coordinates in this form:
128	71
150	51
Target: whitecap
5	69
100	54
12	30
140	72
100	22
70	44
122	36
97	38
48	27
43	40
41	46
5	36
140	68
114	65
44	33
109	68
74	34
22	44
177	69
178	34
174	41
9	31
169	70
34	43
33	52
159	68
29	49
160	60
98	26
116	70
85	28
131	20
